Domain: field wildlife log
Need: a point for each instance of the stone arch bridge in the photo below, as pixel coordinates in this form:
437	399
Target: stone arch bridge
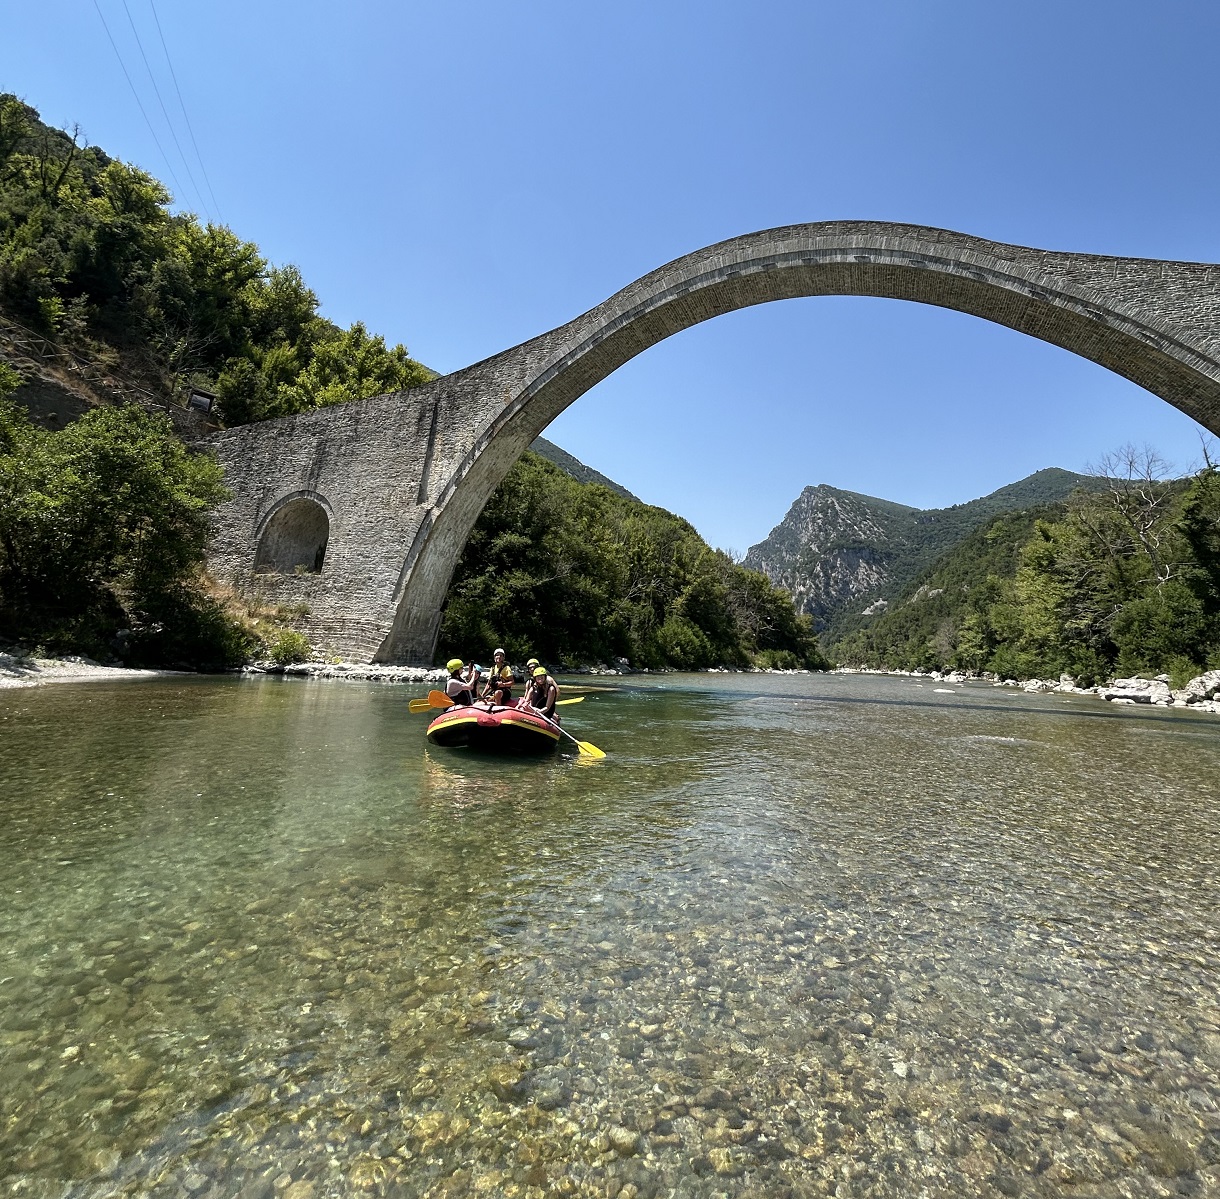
360	510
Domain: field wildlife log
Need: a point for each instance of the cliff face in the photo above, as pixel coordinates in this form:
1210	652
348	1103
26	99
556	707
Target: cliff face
839	552
832	548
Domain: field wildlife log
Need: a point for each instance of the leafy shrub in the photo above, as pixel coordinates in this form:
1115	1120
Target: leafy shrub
683	644
1181	670
191	631
289	647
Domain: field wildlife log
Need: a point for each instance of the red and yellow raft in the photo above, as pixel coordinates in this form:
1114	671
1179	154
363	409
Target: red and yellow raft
493	730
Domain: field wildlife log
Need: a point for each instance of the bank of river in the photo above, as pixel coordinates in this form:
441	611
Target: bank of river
800	935
20	671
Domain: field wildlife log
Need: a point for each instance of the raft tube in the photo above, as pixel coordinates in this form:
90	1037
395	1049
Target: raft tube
494	730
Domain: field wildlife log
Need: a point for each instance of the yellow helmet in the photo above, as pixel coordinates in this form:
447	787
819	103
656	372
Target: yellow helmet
532	663
540	672
454	664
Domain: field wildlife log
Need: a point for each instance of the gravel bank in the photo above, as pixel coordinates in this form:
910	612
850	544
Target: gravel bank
16	671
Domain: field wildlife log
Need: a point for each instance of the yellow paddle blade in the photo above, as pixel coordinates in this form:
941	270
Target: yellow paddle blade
580	699
587	748
436	699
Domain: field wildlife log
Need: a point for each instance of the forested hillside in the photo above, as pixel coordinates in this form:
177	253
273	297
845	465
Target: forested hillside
576	469
839	552
92	257
574	572
1124	580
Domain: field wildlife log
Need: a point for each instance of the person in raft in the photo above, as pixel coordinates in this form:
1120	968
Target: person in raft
541	694
499	688
461	687
530	667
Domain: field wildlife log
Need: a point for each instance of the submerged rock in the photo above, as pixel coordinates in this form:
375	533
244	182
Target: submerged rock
507	1081
622	1140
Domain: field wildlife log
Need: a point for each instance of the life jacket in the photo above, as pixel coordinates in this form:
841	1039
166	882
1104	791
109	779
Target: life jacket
501	679
537	692
463	697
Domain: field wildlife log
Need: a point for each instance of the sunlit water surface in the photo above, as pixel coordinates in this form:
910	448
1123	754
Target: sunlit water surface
793	936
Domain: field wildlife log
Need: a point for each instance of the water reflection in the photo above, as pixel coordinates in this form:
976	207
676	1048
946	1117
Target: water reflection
832	936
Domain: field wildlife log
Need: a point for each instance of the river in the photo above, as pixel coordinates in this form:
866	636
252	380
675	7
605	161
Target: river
794	936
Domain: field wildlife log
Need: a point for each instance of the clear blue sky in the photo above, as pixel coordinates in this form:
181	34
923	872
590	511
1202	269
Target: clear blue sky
464	176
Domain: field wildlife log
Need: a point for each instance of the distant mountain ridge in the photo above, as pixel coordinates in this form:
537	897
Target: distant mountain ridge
575	469
839	553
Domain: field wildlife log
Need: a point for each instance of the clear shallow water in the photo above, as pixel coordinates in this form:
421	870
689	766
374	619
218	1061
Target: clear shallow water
796	935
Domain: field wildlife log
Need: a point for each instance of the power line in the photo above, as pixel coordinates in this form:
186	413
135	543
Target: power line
131	85
181	104
164	111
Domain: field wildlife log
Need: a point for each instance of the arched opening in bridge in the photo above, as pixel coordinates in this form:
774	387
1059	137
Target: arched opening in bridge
294	539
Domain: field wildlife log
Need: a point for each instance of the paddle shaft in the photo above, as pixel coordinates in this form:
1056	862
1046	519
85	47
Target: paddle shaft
592	751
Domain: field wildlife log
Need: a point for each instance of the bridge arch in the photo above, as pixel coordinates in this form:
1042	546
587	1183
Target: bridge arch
293	536
405	476
1157	324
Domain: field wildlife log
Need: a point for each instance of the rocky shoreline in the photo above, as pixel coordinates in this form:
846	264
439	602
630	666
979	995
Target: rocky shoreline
383	673
18	670
352	672
1201	694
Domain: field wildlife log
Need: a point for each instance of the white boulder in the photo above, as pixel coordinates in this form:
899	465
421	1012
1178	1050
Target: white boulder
1205	686
1139	691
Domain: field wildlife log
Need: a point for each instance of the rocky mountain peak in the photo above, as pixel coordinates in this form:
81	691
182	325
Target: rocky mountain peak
837	550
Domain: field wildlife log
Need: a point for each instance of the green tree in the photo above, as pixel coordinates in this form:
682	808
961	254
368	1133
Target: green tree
1200	526
103	526
349	365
